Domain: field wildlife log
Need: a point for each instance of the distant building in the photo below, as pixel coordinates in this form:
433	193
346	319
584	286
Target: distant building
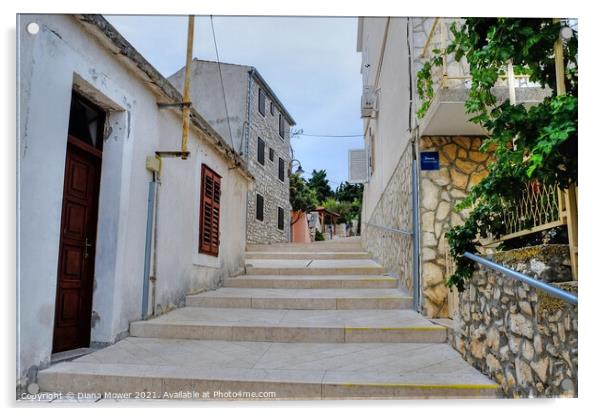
259	128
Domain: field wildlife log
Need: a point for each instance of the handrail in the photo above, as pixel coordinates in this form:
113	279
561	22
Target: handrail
549	289
393	230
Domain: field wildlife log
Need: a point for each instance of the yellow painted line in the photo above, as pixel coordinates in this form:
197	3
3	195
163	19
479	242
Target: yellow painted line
423	386
404	328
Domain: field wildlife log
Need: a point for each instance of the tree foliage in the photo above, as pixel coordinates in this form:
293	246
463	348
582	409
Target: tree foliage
319	183
302	197
536	144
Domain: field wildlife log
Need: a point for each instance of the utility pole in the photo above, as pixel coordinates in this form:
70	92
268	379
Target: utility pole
186	98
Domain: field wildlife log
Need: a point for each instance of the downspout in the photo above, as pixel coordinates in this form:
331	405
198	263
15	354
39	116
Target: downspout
249	98
150	220
412	122
154	165
153	276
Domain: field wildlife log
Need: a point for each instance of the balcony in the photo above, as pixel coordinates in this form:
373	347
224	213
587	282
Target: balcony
451	82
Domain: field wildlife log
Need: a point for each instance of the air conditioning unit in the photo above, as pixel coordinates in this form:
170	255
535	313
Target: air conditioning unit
369	103
358	166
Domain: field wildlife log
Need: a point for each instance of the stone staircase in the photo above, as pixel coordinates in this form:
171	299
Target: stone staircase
307	321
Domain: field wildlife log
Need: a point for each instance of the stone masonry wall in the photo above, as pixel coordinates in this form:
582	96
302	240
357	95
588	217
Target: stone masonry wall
521	337
462	166
274	191
394	210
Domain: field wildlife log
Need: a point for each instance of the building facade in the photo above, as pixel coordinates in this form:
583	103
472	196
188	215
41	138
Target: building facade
108	232
249	114
443	147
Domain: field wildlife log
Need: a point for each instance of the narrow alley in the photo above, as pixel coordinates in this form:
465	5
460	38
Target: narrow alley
306	321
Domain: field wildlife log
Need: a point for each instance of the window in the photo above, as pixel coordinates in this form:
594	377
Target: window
260	151
259	208
271	154
281	125
209	215
280	218
261	102
86	121
281	169
272	108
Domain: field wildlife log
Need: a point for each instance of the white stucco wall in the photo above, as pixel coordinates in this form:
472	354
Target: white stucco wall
391	126
63	55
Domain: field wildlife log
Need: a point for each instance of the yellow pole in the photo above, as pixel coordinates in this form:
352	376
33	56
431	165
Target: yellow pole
186	98
571	193
559	64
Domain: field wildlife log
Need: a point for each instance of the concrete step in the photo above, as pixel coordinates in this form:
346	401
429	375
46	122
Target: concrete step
317	299
291	326
289	370
348	244
312	282
313	267
307	255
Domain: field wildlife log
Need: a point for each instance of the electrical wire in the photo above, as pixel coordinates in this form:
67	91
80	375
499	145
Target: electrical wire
221	78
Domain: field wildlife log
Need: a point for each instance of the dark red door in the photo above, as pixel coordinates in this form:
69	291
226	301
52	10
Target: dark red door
77	247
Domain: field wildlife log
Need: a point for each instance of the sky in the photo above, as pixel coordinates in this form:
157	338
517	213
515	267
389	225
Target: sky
311	63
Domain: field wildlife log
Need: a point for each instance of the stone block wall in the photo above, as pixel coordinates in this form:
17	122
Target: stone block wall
521	337
393	210
462	166
274	191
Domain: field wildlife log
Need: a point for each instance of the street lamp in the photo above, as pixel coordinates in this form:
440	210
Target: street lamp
299	170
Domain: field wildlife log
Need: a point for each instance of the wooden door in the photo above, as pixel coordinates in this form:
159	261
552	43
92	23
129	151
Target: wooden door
77	247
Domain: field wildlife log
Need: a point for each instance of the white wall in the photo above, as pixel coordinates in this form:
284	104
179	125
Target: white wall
63	55
391	126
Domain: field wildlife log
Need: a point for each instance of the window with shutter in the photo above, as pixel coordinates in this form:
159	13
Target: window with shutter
271	154
280	218
281	125
210	209
260	151
259	208
281	169
261	102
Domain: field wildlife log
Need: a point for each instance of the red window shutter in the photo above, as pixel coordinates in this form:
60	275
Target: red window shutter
210	210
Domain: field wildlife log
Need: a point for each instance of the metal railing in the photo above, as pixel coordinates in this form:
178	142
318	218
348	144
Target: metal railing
392	230
539	208
453	74
549	289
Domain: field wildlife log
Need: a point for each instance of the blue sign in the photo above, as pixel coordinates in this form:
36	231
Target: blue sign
429	160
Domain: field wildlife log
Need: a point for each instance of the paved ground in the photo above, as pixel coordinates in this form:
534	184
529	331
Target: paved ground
297	325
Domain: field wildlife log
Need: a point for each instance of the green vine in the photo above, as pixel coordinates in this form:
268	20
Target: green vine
528	144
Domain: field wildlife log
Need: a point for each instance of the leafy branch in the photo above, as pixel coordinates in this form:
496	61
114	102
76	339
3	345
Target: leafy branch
536	144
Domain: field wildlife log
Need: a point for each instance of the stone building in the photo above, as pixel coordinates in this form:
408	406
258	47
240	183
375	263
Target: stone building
248	113
107	232
443	146
419	168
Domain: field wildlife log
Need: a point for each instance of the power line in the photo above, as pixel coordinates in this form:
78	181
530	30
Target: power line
221	78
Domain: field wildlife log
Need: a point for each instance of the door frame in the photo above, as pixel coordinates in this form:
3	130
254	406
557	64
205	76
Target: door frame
94	154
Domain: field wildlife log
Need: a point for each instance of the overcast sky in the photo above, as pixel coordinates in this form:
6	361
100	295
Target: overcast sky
310	63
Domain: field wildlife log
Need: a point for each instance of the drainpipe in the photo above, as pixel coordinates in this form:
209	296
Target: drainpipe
150	217
413	125
153	164
416	281
249	105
